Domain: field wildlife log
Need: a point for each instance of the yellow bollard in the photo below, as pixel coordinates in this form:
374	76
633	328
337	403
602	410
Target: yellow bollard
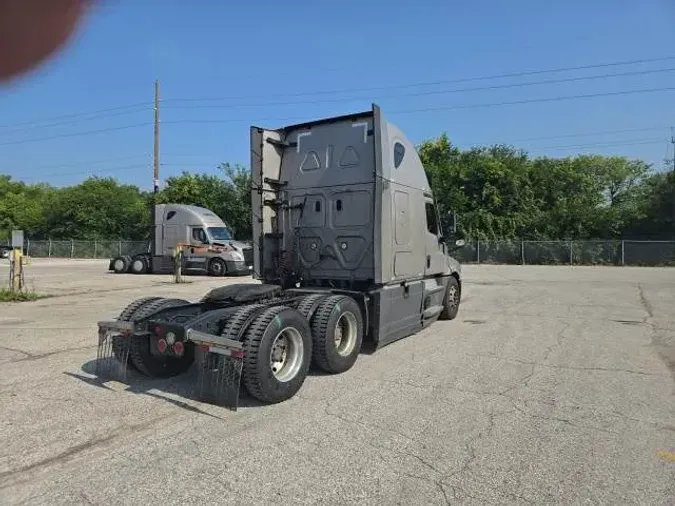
178	264
16	263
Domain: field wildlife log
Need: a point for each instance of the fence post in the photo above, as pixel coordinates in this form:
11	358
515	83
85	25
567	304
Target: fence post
623	252
477	251
120	248
28	247
95	248
72	248
49	249
571	253
522	252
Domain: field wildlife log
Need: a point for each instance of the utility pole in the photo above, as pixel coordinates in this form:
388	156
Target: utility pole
672	142
156	156
153	245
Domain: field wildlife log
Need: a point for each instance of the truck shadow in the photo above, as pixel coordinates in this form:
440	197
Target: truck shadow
183	386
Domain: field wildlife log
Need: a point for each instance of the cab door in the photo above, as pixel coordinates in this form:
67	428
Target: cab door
434	253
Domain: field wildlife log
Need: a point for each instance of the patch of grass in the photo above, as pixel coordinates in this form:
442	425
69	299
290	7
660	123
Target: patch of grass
7	295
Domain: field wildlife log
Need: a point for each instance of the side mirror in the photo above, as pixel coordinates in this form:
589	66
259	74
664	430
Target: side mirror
458	244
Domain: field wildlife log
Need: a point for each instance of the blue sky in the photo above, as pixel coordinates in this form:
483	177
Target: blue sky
224	67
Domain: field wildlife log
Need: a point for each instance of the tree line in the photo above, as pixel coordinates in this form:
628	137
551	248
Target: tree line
497	192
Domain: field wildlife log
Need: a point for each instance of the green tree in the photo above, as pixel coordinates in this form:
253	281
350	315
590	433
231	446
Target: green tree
22	207
488	187
98	208
653	214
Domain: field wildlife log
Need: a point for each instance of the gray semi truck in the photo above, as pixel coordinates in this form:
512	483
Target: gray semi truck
209	245
349	249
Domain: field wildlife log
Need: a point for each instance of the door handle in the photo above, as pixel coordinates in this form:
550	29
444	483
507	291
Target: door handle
428	260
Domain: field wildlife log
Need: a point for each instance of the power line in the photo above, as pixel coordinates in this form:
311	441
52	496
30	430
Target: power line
433	92
72	121
91	163
437	108
539	100
633	142
588	134
87	163
92	172
427	93
74	115
393	111
449	81
75	134
347	90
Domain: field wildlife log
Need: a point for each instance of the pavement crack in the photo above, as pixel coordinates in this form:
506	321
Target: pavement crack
522	382
363	423
14	350
603	369
656	425
559	338
435	385
470	449
444	493
72	452
565	421
39	356
646	305
571	367
437	480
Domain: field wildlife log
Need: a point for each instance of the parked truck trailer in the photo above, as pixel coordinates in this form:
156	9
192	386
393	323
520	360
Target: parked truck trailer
349	249
209	245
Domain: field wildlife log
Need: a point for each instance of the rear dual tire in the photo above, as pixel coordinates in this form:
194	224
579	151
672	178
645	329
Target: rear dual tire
280	343
139	265
337	333
277	354
121	264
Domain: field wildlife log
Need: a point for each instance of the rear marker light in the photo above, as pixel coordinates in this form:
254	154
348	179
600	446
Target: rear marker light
161	345
237	353
178	348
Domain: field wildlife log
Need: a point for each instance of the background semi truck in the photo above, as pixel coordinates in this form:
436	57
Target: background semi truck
349	249
210	245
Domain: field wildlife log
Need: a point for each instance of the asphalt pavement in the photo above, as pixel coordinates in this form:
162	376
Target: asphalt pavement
555	385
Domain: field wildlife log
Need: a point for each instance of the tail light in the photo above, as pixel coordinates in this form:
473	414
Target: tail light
178	348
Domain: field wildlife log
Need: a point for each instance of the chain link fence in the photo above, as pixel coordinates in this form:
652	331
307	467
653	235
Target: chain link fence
654	253
84	249
644	253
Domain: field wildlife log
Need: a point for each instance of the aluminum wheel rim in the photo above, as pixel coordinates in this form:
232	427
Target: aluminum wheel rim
119	265
138	265
286	354
452	296
217	267
345	333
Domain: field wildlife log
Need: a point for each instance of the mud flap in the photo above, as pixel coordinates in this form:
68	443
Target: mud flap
219	377
112	355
